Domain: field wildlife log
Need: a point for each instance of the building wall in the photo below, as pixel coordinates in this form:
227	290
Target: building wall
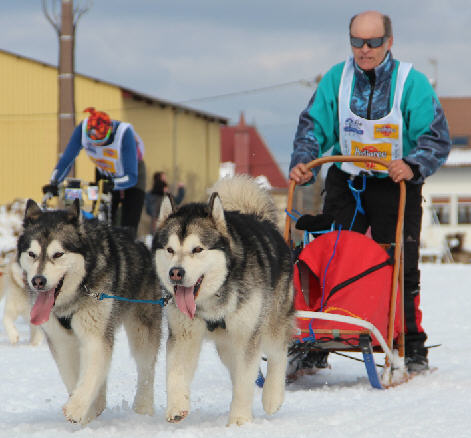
28	113
183	143
450	182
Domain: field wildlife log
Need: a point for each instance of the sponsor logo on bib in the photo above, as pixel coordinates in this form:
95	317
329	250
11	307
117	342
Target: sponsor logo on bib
353	125
378	150
387	130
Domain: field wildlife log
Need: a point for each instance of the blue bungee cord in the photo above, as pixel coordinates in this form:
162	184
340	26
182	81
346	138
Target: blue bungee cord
356	194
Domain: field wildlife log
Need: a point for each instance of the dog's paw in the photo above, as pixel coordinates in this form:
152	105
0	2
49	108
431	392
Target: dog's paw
14	338
270	405
100	405
36	338
13	335
272	399
76	412
176	416
143	408
239	420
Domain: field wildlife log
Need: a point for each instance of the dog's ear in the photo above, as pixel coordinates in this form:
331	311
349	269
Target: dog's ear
167	207
32	212
217	211
74	213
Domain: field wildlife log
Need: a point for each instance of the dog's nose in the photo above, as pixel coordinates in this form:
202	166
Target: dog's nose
176	274
39	282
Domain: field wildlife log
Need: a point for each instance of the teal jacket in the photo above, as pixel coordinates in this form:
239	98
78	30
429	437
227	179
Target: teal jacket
426	139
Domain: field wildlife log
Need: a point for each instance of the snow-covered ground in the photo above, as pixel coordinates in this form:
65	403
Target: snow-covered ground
338	402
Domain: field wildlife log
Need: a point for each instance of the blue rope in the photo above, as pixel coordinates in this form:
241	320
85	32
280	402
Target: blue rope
356	195
306	237
160	302
315	233
294	218
327	267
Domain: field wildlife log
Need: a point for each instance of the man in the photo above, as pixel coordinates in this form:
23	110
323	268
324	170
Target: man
373	103
117	152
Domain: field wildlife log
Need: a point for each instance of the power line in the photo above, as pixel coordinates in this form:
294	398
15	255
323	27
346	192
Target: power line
305	82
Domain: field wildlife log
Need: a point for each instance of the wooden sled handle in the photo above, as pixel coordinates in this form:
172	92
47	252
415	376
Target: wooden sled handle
398	257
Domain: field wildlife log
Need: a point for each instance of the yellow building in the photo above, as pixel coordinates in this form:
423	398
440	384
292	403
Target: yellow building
183	142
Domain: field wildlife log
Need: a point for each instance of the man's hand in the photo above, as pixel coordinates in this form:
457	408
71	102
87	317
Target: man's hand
300	174
108	186
399	170
51	188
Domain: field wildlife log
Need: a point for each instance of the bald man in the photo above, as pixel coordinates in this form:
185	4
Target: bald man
372	103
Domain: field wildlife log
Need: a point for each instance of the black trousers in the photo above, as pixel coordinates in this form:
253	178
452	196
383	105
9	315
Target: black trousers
380	201
132	202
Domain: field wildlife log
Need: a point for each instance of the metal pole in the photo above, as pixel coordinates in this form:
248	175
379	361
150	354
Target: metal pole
66	77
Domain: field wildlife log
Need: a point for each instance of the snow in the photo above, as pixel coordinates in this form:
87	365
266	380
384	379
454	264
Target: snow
337	402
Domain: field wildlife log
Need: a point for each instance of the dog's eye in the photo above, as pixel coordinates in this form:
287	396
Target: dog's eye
32	254
170	250
57	255
197	250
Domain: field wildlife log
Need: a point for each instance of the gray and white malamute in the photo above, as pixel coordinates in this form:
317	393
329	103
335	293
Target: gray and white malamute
229	272
66	263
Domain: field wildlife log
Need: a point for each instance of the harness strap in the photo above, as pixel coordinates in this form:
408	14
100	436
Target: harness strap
66	322
213	325
162	302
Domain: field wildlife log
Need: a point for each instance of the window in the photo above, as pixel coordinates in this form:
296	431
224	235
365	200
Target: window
460	140
464	209
441	209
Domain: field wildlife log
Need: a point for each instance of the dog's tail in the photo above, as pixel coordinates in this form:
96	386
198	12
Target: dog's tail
243	193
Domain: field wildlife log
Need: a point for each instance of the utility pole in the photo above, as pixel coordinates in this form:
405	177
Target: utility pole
65	25
434	80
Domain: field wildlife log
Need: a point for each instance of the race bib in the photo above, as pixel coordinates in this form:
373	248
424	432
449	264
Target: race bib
382	151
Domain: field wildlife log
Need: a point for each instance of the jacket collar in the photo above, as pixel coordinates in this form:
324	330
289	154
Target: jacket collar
382	73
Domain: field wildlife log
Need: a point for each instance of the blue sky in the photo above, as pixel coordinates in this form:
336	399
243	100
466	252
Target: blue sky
183	50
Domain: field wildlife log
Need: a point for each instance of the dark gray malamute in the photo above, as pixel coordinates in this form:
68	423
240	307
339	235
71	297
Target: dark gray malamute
66	262
229	272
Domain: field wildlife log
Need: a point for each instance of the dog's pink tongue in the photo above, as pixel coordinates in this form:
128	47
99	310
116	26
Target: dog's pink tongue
42	307
185	300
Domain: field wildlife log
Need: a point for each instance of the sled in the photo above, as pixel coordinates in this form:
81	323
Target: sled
349	292
87	193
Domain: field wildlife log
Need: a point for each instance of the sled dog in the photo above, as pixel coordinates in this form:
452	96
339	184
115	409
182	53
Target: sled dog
67	262
229	272
17	304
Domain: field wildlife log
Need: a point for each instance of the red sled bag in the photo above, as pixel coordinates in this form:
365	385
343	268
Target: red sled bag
346	273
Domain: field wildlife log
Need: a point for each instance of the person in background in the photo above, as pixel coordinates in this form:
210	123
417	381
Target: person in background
118	154
154	197
374	104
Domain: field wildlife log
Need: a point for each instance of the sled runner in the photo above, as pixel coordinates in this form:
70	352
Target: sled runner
348	292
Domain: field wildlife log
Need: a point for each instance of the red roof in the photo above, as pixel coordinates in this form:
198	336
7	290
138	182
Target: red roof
243	145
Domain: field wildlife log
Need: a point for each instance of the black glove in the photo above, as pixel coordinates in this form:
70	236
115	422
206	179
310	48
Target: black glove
108	186
51	188
319	222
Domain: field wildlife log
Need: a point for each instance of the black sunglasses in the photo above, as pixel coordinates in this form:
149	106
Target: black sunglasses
372	43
